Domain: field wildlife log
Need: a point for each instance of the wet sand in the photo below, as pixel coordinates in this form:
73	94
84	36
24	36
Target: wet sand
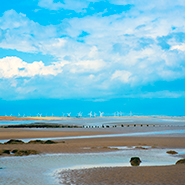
81	145
155	175
9	133
159	175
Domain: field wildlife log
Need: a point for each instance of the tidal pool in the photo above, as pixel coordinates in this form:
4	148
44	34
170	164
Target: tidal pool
43	169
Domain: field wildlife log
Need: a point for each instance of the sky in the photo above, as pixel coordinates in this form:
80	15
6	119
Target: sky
113	55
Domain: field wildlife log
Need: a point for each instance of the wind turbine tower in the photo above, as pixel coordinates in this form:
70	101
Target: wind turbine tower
80	114
121	113
130	113
90	114
39	115
68	114
101	113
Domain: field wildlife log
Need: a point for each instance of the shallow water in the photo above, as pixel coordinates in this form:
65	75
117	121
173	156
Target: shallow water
43	169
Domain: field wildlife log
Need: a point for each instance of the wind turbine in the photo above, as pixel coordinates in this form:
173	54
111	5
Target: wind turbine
121	113
90	114
117	113
101	113
68	114
39	115
95	114
18	115
130	113
80	114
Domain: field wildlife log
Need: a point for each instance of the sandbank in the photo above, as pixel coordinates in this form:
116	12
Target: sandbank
80	145
150	175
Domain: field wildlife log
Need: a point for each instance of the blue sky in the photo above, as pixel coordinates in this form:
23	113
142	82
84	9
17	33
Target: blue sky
94	51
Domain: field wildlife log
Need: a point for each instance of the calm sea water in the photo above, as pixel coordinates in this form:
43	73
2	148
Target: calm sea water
103	120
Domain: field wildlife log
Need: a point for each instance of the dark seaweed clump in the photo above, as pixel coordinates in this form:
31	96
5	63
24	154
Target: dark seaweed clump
42	142
14	141
181	161
24	152
17	152
172	152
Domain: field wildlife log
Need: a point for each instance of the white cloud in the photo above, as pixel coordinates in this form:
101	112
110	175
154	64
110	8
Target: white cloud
123	76
178	47
14	67
87	66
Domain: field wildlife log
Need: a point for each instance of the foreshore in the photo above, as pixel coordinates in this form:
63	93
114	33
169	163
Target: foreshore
79	145
142	175
147	175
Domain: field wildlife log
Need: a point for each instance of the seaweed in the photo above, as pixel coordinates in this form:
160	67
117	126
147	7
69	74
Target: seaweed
25	152
36	142
172	152
14	141
41	142
181	161
49	142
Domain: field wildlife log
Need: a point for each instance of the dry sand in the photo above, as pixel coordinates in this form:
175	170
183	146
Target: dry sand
6	118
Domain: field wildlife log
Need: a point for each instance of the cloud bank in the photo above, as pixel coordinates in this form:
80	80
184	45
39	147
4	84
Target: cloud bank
96	52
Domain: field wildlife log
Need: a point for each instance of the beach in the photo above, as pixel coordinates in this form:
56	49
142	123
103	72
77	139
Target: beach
88	143
155	175
77	145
